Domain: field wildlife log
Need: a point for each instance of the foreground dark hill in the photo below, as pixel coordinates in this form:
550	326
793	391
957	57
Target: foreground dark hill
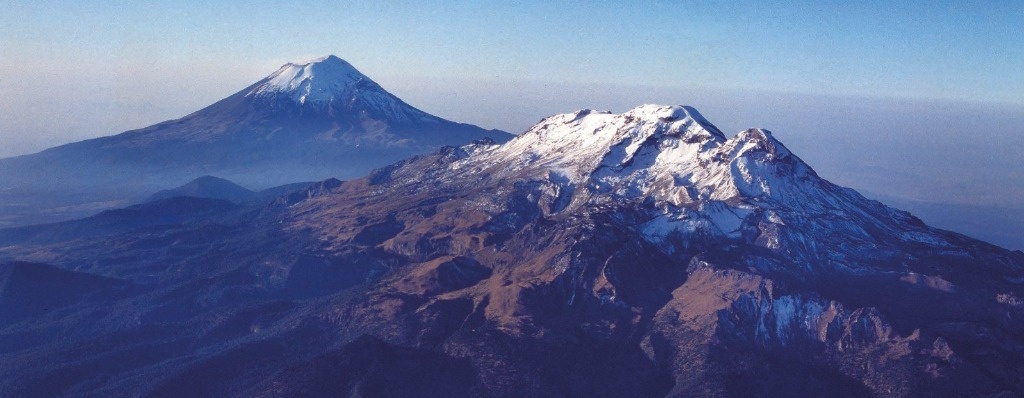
633	254
305	122
208	187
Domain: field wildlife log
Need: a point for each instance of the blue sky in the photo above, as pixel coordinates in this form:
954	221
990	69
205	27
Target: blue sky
931	50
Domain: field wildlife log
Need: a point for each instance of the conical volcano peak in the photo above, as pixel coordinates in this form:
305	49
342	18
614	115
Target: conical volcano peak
331	87
329	69
330	59
318	81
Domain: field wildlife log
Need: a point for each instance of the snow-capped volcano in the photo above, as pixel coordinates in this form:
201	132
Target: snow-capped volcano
304	122
320	80
330	84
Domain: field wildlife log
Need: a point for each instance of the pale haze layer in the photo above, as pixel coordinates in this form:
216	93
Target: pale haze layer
919	104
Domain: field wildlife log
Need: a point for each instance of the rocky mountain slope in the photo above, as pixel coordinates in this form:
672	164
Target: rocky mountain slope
597	254
305	122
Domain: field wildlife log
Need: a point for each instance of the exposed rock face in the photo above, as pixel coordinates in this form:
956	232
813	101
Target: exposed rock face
634	254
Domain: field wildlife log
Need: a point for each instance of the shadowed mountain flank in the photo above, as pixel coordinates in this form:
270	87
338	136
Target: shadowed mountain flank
642	253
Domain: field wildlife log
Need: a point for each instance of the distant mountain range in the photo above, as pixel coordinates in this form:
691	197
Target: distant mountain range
598	254
305	122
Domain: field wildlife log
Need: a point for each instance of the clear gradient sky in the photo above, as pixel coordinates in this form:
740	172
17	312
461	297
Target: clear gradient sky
73	70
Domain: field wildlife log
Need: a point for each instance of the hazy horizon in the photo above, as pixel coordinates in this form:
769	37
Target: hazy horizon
916	102
826	130
79	70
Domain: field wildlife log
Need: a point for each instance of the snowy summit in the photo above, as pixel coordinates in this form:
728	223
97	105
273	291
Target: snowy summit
330	85
320	80
671	153
670	156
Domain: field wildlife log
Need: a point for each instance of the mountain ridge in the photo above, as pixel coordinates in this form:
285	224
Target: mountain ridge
597	254
797	266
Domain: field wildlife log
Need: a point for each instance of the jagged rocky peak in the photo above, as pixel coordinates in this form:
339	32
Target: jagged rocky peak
676	116
752	141
682	175
669	153
641	122
591	139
